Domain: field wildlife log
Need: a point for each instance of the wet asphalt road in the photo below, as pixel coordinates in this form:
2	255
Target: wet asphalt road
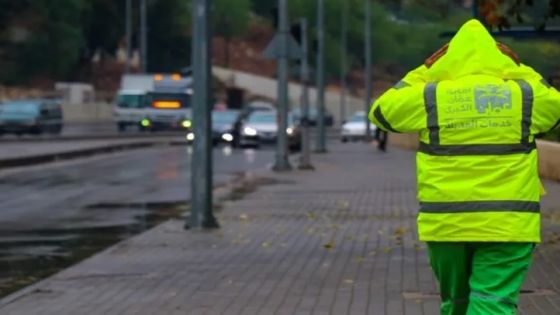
53	215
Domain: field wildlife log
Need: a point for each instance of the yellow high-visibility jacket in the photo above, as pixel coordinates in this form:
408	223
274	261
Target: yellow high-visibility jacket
477	111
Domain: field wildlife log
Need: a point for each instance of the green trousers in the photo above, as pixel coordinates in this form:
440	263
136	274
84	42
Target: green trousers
480	278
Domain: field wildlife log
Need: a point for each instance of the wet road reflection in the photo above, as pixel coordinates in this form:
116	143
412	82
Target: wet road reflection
55	215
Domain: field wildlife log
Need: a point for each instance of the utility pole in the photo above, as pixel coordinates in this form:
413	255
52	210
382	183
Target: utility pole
321	137
368	79
128	34
282	163
475	9
201	174
305	159
343	62
143	38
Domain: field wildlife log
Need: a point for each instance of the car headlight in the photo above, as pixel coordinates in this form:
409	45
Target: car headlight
190	136
227	137
248	131
290	131
145	122
186	123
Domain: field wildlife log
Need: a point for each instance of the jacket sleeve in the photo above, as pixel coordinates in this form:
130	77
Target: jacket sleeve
401	108
546	107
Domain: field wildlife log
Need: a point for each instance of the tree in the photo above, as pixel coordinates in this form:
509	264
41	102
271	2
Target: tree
230	18
54	45
169	47
104	26
503	14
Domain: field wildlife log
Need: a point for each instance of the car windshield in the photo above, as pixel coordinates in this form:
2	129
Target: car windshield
224	117
261	106
130	101
358	118
262	118
19	108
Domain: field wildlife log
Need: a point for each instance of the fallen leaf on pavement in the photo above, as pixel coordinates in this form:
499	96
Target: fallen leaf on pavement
329	245
343	205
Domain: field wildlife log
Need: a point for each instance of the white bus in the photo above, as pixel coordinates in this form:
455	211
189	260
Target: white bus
154	102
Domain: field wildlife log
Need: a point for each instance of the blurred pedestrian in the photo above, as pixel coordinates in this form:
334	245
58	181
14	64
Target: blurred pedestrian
477	110
381	136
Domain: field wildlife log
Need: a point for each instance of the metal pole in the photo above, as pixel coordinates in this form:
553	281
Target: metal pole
128	34
305	159
321	139
343	66
201	174
143	38
475	9
282	163
368	79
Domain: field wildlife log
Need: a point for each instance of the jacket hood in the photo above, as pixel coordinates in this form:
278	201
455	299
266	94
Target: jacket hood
473	51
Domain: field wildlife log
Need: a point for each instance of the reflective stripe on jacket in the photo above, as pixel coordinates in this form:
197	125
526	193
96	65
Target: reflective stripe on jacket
477	112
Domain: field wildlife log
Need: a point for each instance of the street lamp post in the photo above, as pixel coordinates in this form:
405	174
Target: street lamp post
305	159
128	34
201	175
368	79
282	163
321	137
343	62
143	37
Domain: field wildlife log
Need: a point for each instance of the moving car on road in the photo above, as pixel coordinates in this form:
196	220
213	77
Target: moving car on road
35	116
223	126
262	127
355	128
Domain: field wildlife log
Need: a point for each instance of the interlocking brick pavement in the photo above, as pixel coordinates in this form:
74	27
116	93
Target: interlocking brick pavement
340	240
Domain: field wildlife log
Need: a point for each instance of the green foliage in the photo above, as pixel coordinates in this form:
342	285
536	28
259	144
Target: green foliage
264	8
169	46
60	36
231	17
103	26
56	40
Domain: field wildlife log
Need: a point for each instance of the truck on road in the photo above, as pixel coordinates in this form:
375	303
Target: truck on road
154	102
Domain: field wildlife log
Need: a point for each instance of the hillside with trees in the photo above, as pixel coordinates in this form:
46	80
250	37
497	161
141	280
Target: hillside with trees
44	41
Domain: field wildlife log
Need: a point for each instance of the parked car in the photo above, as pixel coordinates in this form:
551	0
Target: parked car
261	128
35	116
297	114
355	128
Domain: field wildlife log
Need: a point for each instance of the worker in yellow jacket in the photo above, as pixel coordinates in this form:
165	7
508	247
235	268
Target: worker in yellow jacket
477	110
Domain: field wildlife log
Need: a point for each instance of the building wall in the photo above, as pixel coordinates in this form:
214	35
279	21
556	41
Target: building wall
87	113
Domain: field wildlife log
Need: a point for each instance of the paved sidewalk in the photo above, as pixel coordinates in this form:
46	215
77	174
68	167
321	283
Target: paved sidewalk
340	240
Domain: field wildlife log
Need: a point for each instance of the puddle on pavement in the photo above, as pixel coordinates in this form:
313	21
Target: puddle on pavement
27	256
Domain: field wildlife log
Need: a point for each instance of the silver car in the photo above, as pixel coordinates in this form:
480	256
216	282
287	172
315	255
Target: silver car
355	128
261	128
